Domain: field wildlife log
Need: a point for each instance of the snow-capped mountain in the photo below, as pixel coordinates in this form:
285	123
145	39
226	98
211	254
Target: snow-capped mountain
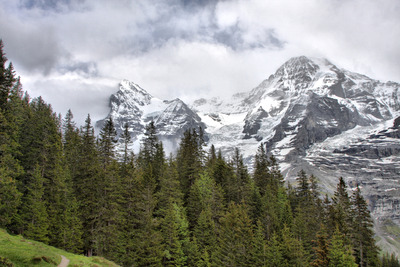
311	115
132	105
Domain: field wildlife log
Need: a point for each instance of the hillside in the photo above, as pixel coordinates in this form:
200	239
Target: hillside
19	251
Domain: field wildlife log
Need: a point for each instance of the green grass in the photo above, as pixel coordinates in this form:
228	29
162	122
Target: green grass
23	252
392	229
390	238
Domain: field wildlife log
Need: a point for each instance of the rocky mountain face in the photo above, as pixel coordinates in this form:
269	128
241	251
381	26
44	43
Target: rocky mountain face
132	105
310	114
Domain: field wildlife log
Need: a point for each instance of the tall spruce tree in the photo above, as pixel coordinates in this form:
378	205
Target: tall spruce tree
34	212
261	174
88	185
189	160
174	229
10	168
241	187
148	247
342	210
127	141
366	252
321	249
205	194
151	156
205	234
236	238
223	175
107	141
339	253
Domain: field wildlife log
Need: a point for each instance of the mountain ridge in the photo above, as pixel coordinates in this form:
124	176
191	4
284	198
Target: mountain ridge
297	110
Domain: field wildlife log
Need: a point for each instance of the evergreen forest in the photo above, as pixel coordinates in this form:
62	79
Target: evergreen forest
63	185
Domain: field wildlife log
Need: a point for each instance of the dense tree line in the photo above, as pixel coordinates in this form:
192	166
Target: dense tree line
62	185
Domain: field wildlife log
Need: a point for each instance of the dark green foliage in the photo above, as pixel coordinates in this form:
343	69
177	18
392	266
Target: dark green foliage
10	199
259	252
151	156
235	239
366	252
274	252
62	186
34	213
175	233
107	141
148	248
127	139
241	187
321	250
6	262
292	250
261	170
390	261
204	194
340	254
342	209
189	160
88	184
205	233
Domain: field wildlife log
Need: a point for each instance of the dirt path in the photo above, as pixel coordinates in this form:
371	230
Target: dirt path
64	262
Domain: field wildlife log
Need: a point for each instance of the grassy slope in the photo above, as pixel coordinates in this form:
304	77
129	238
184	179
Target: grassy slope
24	252
390	238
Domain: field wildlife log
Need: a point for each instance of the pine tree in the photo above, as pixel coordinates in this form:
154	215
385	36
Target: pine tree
131	181
205	234
107	141
342	210
71	142
235	239
189	160
259	252
88	185
389	261
223	175
34	213
366	252
148	249
149	145
292	249
321	250
308	213
109	221
340	254
204	194
7	78
274	256
10	168
175	233
127	140
241	187
10	198
170	189
212	157
261	174
255	202
151	156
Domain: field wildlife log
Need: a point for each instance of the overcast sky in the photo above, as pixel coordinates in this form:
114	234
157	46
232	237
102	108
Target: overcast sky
74	52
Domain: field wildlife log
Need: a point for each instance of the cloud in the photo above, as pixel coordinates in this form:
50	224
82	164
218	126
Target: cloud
34	47
352	33
52	5
188	48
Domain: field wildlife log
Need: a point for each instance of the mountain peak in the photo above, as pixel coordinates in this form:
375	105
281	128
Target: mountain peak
133	92
297	65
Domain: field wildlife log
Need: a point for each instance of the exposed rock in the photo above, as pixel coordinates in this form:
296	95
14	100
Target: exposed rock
311	115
